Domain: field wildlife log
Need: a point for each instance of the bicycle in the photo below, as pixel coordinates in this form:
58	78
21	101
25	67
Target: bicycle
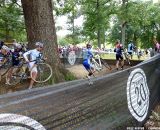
98	63
19	73
127	57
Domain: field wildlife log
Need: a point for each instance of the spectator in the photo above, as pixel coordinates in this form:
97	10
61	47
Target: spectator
156	46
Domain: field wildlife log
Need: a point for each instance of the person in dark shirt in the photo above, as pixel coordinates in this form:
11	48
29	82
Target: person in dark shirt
16	53
119	57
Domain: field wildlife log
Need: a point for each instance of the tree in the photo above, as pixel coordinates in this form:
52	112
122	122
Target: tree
71	9
11	21
40	26
96	23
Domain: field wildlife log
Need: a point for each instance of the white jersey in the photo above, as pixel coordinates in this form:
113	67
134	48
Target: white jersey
33	54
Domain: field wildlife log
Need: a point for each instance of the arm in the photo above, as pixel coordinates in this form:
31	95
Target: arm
25	55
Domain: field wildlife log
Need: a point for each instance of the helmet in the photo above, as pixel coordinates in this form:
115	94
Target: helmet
39	44
4	47
17	45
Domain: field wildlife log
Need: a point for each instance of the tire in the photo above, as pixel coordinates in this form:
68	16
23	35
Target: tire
4	68
44	72
16	76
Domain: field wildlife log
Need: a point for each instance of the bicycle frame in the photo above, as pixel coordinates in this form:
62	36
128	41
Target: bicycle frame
97	66
127	57
102	63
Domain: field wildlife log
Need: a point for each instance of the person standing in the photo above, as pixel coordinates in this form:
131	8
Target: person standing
156	46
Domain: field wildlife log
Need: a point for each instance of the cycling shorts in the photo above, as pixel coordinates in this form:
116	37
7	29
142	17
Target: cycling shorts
87	64
34	69
119	57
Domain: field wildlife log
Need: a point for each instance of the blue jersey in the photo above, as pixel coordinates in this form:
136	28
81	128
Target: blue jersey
87	54
130	47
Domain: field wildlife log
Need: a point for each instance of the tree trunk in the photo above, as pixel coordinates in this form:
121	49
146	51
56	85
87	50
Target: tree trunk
123	24
40	27
123	33
98	29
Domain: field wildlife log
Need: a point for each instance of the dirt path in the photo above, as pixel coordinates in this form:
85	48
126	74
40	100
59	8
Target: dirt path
80	72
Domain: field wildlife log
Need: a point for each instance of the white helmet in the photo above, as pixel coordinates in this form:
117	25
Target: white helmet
39	44
4	47
17	45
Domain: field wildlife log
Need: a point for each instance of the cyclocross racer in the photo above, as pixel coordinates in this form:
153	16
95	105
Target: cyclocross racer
87	55
15	53
33	55
4	54
118	49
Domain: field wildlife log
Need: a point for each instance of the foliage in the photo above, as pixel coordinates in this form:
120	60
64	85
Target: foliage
142	23
71	9
96	23
69	77
11	22
102	21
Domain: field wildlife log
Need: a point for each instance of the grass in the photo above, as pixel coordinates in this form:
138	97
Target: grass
112	56
69	77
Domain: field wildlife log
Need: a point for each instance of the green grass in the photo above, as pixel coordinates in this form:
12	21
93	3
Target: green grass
69	77
112	56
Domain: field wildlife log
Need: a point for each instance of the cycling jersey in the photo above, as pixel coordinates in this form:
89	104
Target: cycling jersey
118	49
130	47
87	55
15	58
33	55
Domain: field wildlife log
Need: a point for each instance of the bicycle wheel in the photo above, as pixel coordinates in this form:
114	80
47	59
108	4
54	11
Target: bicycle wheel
44	72
4	68
15	77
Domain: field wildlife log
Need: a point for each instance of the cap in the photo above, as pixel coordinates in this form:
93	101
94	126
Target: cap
17	45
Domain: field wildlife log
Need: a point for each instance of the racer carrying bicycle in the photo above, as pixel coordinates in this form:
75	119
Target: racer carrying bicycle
87	56
15	54
33	55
